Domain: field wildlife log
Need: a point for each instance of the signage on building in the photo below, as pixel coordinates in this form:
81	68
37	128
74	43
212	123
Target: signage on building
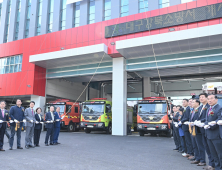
167	20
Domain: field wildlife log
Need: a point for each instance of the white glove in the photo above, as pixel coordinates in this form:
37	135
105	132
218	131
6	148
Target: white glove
219	122
62	117
31	121
16	121
11	121
206	126
191	123
186	123
37	122
57	120
24	120
51	121
176	125
47	121
41	122
180	123
212	123
201	124
171	117
1	121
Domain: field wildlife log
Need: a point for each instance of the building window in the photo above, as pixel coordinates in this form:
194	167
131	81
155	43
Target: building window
143	6
50	19
28	13
91	11
124	8
0	12
164	3
63	15
11	64
17	19
107	10
39	18
7	21
185	1
77	14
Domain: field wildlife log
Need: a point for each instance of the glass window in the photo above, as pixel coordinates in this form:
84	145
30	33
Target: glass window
143	6
107	10
124	10
0	16
77	14
17	19
28	13
76	109
39	18
50	15
7	21
91	11
11	64
164	3
63	15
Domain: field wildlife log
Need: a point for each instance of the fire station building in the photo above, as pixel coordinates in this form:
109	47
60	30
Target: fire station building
53	48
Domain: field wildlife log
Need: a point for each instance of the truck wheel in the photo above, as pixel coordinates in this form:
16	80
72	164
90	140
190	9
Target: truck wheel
141	133
109	130
71	127
87	131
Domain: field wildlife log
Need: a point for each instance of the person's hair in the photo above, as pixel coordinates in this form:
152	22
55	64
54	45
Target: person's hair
58	107
203	94
190	99
179	106
2	101
52	106
32	102
38	109
197	101
18	99
186	100
181	109
174	106
215	96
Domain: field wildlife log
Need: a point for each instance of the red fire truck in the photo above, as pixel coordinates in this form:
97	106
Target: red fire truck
152	116
71	111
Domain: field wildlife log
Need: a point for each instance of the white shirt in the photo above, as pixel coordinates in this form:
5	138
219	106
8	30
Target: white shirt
52	116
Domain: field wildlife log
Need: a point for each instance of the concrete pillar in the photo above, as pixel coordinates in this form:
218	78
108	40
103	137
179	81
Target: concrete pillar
39	102
153	5
99	5
22	19
33	18
119	97
115	9
69	15
175	2
13	18
87	93
3	20
134	7
146	87
45	13
56	15
84	6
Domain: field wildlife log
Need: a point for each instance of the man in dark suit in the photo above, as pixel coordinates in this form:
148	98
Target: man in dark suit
57	126
212	130
3	117
38	126
184	121
49	118
201	138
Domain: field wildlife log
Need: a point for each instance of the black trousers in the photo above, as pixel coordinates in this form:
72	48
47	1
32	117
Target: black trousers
37	133
50	133
176	137
215	146
188	142
2	133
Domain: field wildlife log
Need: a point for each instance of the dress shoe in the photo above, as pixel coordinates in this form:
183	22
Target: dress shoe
181	151
55	144
10	148
191	157
58	143
187	155
2	150
46	144
31	146
37	145
51	143
211	168
19	147
27	147
201	164
176	149
195	162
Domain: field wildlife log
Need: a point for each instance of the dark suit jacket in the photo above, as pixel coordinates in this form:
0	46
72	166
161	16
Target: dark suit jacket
57	124
38	126
48	117
202	116
195	117
185	117
6	118
175	118
213	132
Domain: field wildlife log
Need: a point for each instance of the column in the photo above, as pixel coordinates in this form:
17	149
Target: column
84	5
153	4
13	17
146	87
134	7
22	19
119	97
99	5
3	20
69	15
175	2
33	18
39	102
115	9
56	15
87	93
45	14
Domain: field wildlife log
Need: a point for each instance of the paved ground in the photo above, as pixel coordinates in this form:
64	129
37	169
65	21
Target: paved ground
97	151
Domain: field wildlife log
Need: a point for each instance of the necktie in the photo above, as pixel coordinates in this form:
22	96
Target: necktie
3	113
209	110
32	113
192	114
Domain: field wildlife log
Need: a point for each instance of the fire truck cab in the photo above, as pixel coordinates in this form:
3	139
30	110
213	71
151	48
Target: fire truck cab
70	110
152	116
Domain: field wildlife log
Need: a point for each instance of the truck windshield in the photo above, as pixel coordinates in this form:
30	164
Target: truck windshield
93	108
62	108
152	108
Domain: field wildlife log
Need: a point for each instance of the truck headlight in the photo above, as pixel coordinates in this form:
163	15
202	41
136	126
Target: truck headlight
163	126
100	124
140	126
81	124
